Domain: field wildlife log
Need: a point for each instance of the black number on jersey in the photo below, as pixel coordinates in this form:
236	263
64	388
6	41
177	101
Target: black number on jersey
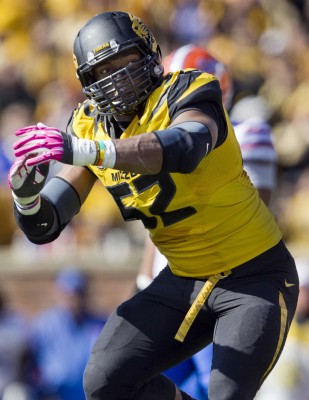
159	205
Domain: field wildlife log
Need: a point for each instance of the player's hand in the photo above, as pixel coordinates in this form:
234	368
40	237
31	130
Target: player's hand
27	181
40	144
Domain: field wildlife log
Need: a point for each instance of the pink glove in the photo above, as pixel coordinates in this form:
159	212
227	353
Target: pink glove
40	144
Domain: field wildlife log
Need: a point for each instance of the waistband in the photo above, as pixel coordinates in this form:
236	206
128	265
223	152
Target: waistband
275	254
270	256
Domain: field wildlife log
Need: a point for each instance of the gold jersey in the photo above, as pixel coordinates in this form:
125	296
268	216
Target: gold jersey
204	222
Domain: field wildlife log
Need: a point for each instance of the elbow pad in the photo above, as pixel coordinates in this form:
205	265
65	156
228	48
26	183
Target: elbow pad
184	145
59	203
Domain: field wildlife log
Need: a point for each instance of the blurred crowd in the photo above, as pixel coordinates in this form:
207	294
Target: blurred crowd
264	44
44	357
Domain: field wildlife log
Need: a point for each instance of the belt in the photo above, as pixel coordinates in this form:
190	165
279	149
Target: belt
198	304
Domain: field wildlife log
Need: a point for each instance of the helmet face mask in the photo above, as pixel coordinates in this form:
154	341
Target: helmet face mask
123	90
109	36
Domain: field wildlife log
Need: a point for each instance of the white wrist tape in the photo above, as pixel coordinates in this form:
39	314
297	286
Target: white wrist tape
106	154
109	154
84	151
93	152
27	205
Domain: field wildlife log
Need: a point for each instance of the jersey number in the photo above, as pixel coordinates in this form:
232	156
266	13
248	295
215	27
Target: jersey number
159	205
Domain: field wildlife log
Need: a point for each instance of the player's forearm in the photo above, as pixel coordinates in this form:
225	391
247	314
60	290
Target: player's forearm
178	149
141	154
59	203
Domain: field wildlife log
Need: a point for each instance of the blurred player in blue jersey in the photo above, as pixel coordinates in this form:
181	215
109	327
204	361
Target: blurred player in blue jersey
165	149
62	338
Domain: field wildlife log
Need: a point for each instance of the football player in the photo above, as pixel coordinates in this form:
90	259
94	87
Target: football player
253	133
165	149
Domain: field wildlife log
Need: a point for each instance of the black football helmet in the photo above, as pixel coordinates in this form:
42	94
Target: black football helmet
104	36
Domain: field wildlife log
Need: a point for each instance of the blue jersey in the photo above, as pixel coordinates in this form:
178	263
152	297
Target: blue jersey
62	347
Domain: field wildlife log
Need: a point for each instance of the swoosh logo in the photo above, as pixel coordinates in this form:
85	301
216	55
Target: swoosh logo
287	284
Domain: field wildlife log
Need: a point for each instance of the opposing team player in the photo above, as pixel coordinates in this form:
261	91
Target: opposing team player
165	149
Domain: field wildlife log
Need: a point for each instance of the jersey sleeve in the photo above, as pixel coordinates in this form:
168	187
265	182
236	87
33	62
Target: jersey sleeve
196	90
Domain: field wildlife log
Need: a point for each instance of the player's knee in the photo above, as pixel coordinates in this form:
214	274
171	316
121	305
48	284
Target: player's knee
100	382
91	381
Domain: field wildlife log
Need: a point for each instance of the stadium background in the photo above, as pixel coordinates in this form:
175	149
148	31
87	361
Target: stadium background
265	46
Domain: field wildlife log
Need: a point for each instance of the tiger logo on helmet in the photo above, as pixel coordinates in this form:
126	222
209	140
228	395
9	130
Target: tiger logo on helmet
143	32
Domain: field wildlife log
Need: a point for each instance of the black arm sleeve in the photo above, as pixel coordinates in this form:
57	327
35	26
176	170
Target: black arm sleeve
59	203
41	227
184	145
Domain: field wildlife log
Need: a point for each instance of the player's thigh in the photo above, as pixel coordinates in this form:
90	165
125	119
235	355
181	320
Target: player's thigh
248	339
138	340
